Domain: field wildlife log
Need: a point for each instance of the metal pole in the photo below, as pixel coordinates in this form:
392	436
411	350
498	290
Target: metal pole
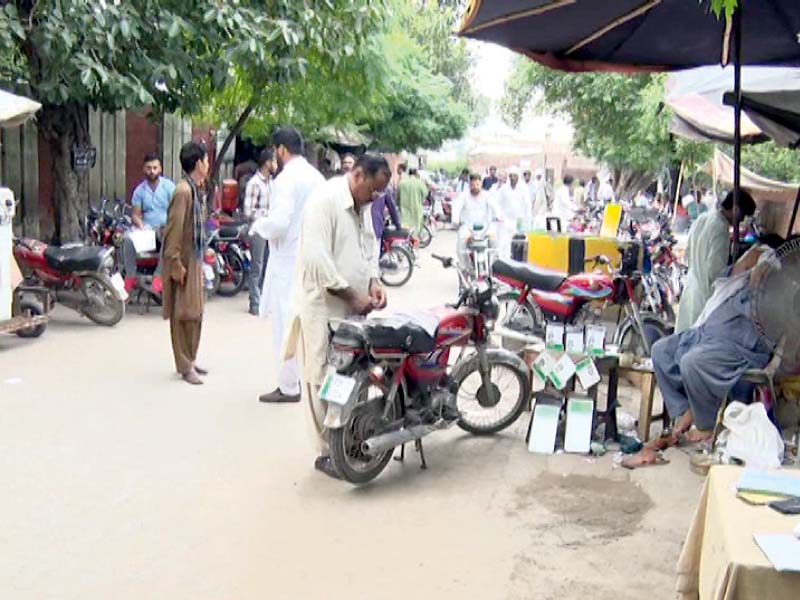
737	123
794	214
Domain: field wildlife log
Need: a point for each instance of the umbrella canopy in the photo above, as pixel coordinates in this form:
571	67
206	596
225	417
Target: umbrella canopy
631	35
15	110
703	110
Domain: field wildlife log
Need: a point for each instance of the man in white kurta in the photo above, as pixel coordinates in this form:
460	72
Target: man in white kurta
514	212
707	254
476	212
563	205
336	277
281	228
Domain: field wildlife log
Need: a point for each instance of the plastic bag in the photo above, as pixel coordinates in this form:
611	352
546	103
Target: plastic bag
751	437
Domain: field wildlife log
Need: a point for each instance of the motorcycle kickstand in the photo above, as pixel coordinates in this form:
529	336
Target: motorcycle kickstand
418	446
402	456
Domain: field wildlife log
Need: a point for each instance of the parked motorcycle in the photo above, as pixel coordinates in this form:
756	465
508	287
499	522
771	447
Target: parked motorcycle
231	258
428	227
77	276
480	253
397	260
390	381
536	296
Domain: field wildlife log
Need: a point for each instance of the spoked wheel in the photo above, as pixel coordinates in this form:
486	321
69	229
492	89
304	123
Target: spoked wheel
631	341
366	421
397	265
101	304
491	406
522	318
233	281
30	308
425	237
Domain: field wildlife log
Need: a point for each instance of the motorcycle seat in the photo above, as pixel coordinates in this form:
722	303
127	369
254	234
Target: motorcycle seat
396	233
74	258
229	231
537	278
414	334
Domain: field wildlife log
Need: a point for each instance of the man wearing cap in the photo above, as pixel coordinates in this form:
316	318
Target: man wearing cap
513	211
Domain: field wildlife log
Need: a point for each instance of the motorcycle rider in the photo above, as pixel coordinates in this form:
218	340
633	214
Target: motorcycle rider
256	205
476	210
513	211
150	203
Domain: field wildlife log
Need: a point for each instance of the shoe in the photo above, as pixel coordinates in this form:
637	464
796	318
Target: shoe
253	311
158	284
200	370
192	378
324	464
277	396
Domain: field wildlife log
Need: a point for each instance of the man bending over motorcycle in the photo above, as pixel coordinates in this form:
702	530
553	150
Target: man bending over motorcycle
150	203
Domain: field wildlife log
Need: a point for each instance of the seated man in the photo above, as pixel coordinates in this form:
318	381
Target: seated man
697	368
150	202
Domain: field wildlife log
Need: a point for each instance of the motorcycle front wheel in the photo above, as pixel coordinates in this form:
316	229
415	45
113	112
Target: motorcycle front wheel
233	281
487	410
102	305
366	420
397	265
425	237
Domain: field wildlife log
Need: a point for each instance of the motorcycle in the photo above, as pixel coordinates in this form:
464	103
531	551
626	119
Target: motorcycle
390	382
428	227
480	250
75	275
536	296
397	258
231	258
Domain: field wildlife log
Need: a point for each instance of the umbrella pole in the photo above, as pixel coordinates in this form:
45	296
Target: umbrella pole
737	123
794	214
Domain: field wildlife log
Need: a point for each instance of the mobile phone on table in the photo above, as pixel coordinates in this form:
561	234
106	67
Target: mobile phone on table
790	506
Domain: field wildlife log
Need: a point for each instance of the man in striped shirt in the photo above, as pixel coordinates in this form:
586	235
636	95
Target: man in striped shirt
256	205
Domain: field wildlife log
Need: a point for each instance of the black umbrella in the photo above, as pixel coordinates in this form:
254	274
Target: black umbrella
642	35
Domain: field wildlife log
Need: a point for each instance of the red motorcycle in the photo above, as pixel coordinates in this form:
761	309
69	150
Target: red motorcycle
398	256
536	296
75	275
390	382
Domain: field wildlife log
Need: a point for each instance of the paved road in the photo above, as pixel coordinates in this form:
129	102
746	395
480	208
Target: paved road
119	481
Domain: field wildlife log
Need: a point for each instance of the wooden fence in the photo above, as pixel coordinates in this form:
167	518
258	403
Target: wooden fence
19	170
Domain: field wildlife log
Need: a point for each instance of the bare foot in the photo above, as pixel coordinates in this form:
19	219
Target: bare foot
644	458
684	423
695	436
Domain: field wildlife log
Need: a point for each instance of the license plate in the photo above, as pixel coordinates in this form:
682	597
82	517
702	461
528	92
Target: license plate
337	388
119	285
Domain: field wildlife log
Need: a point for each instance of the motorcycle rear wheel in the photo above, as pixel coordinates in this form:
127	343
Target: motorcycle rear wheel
397	266
345	443
102	306
523	318
484	413
236	276
630	341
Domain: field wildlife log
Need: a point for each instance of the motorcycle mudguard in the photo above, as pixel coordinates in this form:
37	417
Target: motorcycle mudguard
499	355
337	415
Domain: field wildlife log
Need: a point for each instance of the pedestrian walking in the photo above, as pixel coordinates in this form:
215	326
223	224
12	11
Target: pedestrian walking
256	206
337	277
281	228
184	244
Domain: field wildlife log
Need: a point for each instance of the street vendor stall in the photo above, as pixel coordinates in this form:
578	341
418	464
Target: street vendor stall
723	557
18	312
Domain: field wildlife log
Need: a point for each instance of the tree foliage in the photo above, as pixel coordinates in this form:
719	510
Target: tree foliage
617	119
772	161
111	55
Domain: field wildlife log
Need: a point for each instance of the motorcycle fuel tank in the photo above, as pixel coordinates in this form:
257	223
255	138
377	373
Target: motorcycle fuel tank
454	325
592	286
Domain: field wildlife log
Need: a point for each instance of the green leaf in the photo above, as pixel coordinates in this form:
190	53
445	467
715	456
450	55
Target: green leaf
125	28
174	29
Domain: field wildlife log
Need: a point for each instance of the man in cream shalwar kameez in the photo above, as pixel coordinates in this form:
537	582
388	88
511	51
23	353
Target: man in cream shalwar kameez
281	228
337	277
513	206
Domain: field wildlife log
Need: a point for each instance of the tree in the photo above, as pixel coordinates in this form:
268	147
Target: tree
75	54
771	161
617	119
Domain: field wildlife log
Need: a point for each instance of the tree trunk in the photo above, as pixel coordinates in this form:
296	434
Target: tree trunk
213	180
63	128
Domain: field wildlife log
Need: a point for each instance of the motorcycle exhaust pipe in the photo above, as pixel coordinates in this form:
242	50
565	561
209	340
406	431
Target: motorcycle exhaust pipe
386	441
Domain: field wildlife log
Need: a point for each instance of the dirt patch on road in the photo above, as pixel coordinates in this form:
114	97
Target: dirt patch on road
610	509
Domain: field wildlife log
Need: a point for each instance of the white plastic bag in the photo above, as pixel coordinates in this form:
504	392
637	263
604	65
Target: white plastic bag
751	437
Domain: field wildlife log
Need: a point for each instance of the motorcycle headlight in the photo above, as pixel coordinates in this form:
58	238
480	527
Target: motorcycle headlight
340	359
